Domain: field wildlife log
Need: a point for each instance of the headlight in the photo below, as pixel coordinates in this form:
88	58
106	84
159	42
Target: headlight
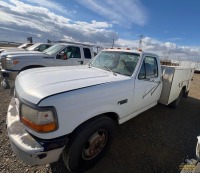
10	63
41	121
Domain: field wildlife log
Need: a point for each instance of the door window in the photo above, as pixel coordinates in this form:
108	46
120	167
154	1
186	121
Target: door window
149	68
69	52
87	53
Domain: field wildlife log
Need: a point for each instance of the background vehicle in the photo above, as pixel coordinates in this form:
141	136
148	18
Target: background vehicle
19	48
34	47
72	111
16	51
58	55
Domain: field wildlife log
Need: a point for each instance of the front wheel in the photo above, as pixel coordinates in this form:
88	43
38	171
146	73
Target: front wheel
89	144
5	84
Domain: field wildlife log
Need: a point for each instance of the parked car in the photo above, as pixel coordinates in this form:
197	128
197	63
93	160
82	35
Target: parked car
71	112
58	55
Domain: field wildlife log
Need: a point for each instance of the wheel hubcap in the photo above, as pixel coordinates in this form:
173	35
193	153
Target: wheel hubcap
94	145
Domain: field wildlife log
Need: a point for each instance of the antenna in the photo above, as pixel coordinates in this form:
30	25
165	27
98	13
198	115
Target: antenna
140	42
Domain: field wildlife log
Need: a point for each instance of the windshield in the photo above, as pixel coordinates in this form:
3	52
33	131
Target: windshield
119	62
33	46
22	46
54	49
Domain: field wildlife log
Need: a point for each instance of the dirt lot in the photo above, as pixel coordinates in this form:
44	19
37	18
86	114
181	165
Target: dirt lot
154	142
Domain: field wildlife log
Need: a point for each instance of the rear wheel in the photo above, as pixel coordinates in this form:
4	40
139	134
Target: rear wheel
89	144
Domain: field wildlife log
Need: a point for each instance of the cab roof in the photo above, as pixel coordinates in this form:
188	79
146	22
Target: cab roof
138	51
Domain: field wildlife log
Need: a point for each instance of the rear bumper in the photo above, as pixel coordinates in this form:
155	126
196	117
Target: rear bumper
7	74
28	148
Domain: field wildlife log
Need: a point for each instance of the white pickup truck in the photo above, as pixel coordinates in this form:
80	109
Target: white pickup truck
58	55
71	112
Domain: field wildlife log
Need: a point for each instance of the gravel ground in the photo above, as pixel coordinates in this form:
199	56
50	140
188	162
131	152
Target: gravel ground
156	141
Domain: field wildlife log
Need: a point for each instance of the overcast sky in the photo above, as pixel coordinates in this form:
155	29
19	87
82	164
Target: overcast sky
170	28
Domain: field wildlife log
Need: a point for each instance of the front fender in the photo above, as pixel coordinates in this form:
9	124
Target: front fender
76	107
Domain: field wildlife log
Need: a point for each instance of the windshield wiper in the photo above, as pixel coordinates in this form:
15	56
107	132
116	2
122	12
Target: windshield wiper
90	65
110	70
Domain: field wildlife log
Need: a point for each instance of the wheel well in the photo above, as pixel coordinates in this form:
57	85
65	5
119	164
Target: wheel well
185	93
31	66
112	115
184	89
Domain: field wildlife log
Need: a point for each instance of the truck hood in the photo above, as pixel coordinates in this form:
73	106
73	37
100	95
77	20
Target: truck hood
21	54
36	84
13	49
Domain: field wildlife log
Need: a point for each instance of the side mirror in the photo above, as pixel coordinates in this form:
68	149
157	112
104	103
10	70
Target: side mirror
141	76
62	53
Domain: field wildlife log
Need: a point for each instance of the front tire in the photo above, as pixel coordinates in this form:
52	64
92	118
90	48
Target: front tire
88	144
5	84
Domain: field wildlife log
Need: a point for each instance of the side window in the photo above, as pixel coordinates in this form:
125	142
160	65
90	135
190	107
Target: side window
69	52
149	68
87	53
73	52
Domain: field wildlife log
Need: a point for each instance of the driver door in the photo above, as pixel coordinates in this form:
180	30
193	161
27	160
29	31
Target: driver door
148	84
69	56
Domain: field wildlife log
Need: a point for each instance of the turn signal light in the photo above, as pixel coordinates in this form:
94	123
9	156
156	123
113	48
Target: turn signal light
39	128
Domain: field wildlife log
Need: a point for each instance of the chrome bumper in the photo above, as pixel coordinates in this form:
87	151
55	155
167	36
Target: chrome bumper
24	145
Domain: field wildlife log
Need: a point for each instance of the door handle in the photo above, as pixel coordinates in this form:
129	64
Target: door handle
81	62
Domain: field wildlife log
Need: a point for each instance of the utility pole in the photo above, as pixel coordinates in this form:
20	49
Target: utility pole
140	41
113	43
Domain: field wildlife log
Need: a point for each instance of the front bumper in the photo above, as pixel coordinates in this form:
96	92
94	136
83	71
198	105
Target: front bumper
28	148
7	74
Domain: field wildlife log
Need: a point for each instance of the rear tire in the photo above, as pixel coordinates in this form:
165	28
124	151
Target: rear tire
88	144
176	102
